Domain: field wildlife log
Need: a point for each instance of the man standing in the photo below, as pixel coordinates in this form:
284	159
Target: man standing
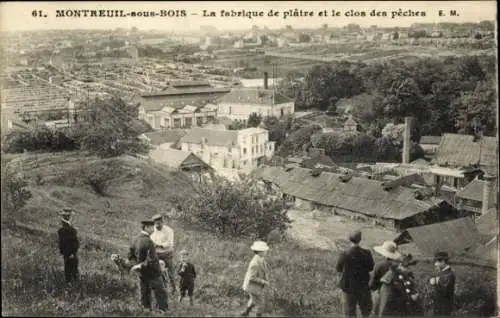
444	285
163	238
68	246
143	254
355	264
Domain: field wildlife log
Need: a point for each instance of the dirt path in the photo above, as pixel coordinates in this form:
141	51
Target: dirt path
315	230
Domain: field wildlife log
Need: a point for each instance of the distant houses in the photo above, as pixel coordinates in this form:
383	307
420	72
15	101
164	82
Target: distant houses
163	139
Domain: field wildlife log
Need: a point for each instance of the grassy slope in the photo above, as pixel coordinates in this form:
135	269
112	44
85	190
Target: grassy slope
221	263
304	279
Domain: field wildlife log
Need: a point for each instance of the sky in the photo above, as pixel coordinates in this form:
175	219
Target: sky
17	16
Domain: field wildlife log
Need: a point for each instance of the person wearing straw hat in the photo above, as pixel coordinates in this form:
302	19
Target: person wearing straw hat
163	238
389	251
355	264
142	253
444	285
256	279
68	246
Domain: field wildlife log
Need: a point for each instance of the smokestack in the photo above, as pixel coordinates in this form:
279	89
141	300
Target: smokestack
266	81
406	141
487	188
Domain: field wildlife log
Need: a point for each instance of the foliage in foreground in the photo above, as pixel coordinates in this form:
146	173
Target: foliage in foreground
239	208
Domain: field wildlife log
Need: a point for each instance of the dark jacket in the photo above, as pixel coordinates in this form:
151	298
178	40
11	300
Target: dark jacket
395	294
379	271
187	273
355	264
444	293
143	251
68	240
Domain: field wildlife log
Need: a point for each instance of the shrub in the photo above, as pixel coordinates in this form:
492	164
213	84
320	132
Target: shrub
14	193
240	208
100	174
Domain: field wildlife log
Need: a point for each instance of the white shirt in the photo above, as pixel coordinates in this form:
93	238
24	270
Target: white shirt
164	238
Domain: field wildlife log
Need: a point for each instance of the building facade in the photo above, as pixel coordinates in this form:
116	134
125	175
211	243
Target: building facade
185	117
231	149
240	103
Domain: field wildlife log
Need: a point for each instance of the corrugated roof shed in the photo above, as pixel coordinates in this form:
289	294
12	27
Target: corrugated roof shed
176	158
451	236
359	194
462	151
487	224
254	96
211	137
187	90
474	191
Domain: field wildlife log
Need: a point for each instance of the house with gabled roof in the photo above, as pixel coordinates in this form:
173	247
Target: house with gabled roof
186	116
240	103
180	160
243	149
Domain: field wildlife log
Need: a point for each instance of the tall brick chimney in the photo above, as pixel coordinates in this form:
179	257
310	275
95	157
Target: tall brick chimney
406	140
487	188
266	86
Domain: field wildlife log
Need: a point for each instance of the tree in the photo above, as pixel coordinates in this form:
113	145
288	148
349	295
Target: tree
324	82
112	129
254	120
241	208
14	193
304	38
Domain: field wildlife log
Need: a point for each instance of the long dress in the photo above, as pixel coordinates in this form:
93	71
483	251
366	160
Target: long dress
398	287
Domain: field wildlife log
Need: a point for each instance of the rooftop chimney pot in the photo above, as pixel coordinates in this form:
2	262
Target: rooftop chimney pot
266	81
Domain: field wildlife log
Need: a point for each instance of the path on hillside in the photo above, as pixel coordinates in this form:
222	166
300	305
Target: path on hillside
315	229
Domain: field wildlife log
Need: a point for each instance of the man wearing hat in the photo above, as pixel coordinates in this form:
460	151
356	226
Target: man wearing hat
163	238
68	246
256	279
142	253
444	285
355	264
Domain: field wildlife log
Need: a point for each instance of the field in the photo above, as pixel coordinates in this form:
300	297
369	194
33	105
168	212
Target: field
303	278
301	58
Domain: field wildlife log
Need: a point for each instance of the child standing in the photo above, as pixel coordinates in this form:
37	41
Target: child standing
256	279
187	273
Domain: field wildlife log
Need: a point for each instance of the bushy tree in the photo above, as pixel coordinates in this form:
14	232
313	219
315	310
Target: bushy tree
241	208
254	120
14	193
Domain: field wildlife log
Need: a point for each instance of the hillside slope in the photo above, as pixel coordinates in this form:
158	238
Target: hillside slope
304	280
108	223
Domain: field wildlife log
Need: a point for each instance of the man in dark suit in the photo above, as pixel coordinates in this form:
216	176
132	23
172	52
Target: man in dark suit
355	264
142	253
444	285
68	246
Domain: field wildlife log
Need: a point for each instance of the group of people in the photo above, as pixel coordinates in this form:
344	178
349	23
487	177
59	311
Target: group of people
393	284
151	255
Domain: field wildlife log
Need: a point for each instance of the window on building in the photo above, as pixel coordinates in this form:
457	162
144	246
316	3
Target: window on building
230	110
244	151
188	122
199	121
234	165
177	123
253	150
270	148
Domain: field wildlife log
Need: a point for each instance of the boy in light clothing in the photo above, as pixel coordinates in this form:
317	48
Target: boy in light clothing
163	238
256	279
